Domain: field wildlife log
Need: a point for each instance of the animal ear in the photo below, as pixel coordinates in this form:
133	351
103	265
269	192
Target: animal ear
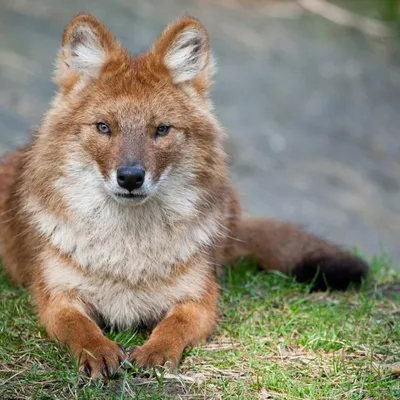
86	46
184	50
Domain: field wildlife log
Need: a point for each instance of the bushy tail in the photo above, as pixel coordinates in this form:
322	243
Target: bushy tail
286	248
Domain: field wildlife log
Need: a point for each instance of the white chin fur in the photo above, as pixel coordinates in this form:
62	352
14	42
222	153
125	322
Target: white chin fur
139	196
130	201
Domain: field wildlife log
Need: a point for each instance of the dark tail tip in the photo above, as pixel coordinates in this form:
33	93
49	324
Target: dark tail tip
335	272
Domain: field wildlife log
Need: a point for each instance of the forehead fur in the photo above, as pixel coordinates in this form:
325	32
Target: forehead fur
133	93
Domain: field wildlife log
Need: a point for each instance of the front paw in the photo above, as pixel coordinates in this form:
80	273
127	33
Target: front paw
100	360
156	353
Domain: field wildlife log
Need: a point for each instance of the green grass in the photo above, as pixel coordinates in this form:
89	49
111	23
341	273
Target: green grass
275	341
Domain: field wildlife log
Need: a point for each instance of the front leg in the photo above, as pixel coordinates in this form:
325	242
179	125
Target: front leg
66	319
186	324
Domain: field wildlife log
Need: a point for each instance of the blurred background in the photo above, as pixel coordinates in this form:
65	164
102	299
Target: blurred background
309	91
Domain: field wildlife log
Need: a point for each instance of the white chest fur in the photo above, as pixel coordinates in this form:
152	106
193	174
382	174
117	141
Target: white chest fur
117	302
119	247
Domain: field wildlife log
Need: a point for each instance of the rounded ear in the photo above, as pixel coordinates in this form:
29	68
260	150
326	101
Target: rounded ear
86	46
184	50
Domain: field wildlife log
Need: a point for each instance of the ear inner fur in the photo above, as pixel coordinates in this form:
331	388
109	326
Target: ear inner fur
87	44
184	49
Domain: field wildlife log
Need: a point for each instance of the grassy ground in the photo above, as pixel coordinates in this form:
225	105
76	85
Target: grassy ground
275	341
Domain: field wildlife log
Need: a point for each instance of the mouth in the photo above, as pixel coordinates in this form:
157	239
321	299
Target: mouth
131	196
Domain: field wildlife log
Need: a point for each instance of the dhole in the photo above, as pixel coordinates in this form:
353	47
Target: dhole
121	206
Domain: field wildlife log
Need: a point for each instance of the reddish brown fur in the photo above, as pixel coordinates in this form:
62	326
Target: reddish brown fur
133	95
187	324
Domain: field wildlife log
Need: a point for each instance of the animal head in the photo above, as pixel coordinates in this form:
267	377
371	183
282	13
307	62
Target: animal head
130	128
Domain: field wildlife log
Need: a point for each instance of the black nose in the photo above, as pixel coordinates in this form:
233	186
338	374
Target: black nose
131	177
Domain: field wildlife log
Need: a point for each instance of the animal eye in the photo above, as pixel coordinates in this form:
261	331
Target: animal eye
103	128
163	130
